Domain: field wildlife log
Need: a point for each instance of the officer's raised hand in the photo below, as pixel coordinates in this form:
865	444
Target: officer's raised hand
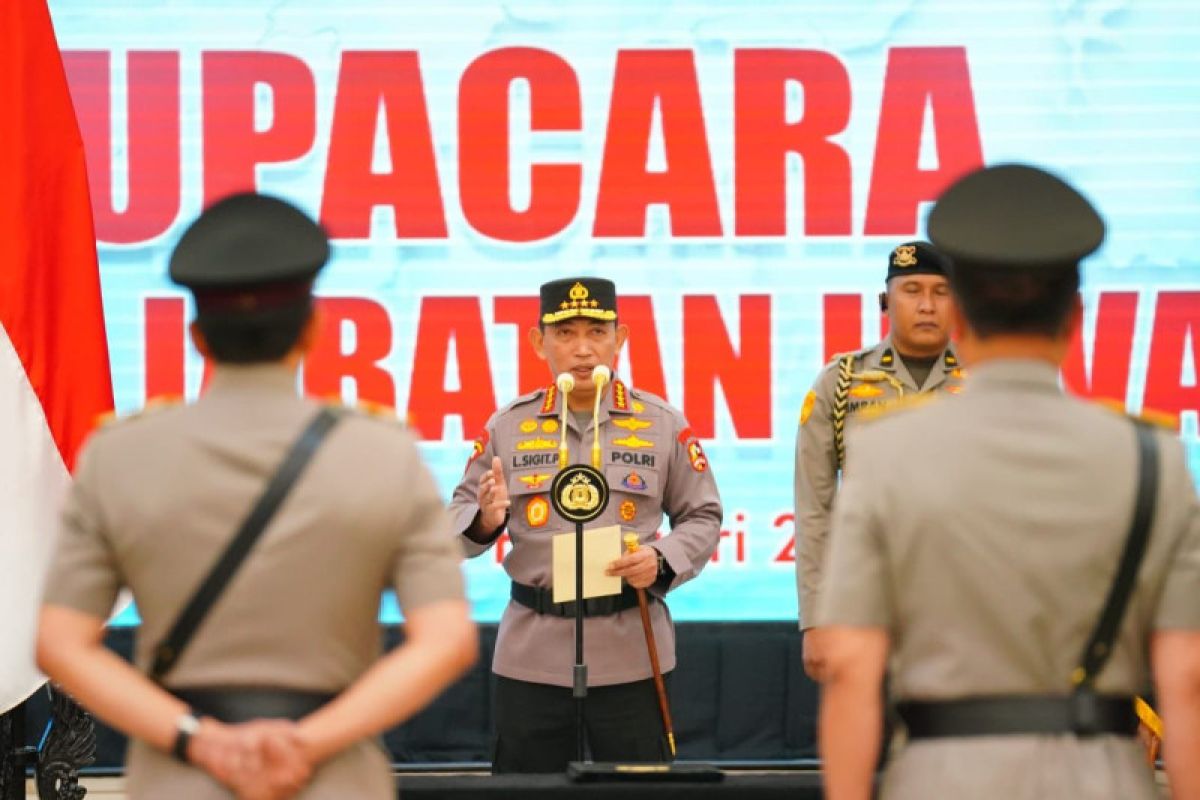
493	497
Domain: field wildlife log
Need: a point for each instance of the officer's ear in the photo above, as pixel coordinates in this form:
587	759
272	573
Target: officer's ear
883	305
537	338
198	340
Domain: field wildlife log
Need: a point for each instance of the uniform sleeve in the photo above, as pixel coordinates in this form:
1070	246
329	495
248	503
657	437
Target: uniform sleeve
464	503
1178	608
693	506
855	590
815	487
427	566
84	574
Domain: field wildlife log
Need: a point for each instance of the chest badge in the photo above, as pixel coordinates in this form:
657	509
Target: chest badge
537	443
628	510
534	481
634	481
632	424
528	426
866	390
633	442
537	512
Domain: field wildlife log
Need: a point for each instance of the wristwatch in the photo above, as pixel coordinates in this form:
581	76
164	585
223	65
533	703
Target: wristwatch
185	727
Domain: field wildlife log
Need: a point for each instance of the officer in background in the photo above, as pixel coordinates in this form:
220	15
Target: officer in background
976	540
158	497
654	465
915	357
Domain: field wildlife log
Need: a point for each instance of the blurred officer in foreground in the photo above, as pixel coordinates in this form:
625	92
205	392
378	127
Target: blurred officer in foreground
915	357
654	465
289	630
986	568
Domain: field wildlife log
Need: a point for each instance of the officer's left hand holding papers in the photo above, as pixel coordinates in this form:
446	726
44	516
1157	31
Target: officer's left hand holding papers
639	568
259	760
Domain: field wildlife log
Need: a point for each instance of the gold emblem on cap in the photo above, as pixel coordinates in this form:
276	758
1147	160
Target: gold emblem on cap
580	304
904	256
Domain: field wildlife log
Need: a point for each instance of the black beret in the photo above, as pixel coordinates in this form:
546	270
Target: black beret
249	240
1014	215
915	258
594	298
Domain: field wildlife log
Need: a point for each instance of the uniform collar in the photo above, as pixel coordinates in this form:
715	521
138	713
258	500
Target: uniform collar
616	399
1030	372
237	378
884	356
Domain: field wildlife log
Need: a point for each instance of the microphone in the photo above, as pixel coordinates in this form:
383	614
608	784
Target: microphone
600	377
565	383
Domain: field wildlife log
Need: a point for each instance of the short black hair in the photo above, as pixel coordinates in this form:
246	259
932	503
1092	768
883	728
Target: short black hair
999	300
266	335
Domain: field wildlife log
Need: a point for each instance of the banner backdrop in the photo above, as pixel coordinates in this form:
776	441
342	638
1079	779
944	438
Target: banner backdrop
741	170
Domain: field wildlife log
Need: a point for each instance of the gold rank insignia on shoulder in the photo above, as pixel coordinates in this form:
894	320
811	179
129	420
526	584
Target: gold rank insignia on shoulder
537	443
551	396
528	425
810	400
633	441
620	396
866	390
632	424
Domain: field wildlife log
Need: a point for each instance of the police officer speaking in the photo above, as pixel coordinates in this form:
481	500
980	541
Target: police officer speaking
915	357
654	465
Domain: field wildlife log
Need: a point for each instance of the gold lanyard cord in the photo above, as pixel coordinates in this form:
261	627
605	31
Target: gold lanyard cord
565	384
600	376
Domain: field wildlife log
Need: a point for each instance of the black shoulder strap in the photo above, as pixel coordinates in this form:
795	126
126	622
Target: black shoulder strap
1099	645
188	621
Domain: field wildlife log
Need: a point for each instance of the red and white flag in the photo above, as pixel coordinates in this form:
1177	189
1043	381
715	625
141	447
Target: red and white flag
54	373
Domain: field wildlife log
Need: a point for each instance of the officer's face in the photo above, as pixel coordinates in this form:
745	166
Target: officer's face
577	346
919	310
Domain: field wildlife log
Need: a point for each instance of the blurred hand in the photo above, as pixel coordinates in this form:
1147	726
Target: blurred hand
259	760
493	497
639	568
814	654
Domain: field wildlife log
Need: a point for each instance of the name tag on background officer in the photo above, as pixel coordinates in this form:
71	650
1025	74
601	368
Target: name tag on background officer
601	546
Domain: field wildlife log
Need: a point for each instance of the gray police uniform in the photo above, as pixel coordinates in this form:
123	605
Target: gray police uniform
848	385
987	560
654	466
158	496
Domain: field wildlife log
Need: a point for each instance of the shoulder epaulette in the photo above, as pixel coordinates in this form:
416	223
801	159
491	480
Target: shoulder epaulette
382	412
149	408
1150	416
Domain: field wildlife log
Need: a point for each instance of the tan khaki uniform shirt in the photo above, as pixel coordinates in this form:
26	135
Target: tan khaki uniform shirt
158	496
878	376
987	559
654	466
